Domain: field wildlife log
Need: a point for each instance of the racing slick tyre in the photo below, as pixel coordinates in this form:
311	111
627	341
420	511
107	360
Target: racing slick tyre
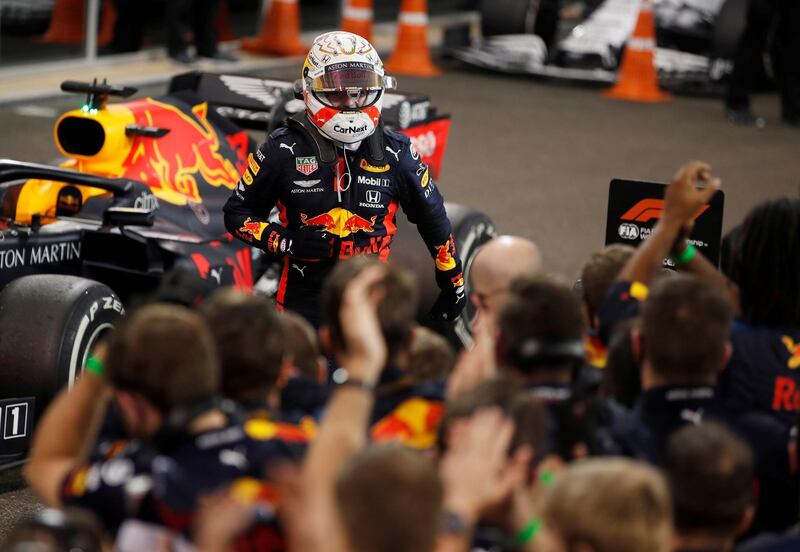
471	229
501	17
49	324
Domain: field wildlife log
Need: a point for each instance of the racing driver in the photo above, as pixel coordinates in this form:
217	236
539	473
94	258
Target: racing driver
337	177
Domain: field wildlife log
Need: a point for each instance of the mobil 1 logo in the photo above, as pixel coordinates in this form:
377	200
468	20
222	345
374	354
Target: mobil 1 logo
635	207
16	425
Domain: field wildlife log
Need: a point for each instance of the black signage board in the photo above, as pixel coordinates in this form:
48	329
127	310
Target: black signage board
634	208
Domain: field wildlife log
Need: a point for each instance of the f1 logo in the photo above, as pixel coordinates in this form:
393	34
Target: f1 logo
649	209
373	196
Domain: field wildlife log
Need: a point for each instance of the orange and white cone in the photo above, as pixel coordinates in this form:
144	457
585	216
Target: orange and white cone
638	77
66	23
280	31
411	54
68	20
357	18
107	21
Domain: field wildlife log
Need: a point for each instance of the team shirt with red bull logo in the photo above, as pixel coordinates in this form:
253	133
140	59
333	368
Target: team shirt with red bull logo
356	212
763	373
165	485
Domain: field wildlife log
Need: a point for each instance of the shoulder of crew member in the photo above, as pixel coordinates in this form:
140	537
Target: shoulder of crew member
102	488
274	440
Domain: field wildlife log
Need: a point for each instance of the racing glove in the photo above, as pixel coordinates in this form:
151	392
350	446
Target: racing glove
307	245
452	297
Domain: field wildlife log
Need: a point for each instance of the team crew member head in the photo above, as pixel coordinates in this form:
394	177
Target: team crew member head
605	505
252	342
337	177
495	266
163	359
683	309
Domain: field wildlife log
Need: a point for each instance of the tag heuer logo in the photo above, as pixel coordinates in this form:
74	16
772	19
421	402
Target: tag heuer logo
306	165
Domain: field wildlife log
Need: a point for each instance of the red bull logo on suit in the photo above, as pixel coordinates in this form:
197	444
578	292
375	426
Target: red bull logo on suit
340	222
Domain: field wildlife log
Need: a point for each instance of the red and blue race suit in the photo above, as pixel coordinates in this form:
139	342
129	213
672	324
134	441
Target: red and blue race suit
355	213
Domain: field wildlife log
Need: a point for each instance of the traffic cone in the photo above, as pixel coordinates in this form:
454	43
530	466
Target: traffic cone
357	18
638	78
66	23
107	21
411	54
222	22
68	19
280	31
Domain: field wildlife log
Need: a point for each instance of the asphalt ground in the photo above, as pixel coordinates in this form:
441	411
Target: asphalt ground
536	156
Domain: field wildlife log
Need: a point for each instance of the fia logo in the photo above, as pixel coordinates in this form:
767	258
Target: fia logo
628	231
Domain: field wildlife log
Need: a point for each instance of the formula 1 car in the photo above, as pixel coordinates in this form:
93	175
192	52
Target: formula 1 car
695	41
137	208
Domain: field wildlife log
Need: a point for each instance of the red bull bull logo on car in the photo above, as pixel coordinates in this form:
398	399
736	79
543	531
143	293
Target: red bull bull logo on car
340	222
174	165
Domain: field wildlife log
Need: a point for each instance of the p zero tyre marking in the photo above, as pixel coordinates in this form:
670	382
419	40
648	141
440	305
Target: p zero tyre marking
76	346
89	344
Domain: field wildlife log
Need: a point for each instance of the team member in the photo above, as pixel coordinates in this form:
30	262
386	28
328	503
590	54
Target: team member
540	348
762	17
162	370
495	266
710	473
407	407
597	276
337	178
200	16
605	504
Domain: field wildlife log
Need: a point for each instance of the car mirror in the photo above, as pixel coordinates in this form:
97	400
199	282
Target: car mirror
128	216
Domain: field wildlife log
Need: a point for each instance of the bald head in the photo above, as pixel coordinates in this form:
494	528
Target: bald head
496	265
506	258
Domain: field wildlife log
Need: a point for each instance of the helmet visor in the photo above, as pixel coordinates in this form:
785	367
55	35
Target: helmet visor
348	85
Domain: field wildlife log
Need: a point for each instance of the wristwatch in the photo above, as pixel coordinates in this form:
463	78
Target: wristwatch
341	377
455	525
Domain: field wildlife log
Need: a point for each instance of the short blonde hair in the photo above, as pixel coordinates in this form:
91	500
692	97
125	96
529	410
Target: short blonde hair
611	504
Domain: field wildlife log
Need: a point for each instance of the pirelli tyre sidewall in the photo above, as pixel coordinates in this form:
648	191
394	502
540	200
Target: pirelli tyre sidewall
48	326
471	229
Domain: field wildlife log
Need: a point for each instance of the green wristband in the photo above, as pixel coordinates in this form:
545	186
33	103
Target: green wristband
686	256
95	366
527	534
547	478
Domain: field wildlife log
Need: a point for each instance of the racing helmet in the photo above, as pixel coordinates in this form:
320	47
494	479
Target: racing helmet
342	86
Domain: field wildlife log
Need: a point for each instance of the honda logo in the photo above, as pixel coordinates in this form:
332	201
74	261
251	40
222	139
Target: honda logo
373	196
